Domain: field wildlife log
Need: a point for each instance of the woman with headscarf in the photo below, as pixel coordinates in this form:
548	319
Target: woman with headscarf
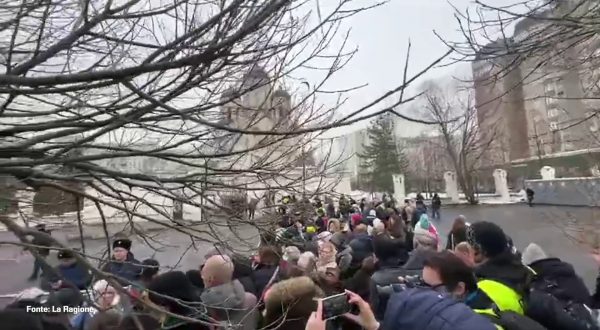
326	258
107	299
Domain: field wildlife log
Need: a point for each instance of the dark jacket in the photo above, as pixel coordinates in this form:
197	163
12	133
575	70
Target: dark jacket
456	238
362	247
359	283
595	303
261	276
425	309
42	241
380	288
559	279
508	270
419	211
242	271
231	303
556	315
386	247
436	202
415	263
75	275
388	273
129	270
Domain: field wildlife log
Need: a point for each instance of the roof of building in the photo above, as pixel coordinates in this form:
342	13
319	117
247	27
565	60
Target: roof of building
494	49
528	22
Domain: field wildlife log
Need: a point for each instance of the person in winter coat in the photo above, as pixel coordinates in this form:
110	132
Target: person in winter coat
446	273
418	212
343	257
426	309
107	299
173	292
558	295
326	258
391	255
266	269
457	234
555	276
494	258
225	298
361	245
43	250
123	264
436	205
397	227
70	273
289	303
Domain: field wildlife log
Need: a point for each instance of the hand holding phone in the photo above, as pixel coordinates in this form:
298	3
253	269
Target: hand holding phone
336	305
365	317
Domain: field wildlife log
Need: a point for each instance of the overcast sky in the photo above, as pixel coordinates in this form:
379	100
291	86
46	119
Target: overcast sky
382	35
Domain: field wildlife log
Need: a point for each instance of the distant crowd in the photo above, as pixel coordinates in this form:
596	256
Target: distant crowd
385	265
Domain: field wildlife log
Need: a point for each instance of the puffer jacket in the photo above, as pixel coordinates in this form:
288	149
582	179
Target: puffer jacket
425	309
559	279
556	315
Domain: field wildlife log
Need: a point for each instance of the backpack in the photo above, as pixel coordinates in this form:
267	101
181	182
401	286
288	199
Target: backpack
510	320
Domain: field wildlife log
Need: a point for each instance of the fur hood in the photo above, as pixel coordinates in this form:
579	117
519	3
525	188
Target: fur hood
295	295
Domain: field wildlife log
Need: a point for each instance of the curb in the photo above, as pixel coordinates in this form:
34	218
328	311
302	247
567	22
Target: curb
100	235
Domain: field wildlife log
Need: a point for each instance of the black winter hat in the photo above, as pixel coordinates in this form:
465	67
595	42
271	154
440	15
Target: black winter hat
386	248
488	238
174	284
124	243
150	268
65	254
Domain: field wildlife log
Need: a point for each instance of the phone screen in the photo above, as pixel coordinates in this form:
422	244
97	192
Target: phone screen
334	306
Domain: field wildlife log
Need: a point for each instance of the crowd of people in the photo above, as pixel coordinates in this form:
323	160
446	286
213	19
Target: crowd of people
388	260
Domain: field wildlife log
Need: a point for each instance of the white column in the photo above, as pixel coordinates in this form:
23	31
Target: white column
548	173
451	186
501	184
399	187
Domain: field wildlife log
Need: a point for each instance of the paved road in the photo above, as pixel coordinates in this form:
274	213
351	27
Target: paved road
550	227
543	225
172	249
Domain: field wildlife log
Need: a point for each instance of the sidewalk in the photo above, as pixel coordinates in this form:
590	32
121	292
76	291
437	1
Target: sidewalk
70	232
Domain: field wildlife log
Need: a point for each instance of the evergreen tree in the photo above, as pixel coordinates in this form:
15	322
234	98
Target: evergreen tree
381	158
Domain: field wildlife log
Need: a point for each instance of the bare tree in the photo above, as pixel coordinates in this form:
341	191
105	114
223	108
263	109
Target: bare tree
135	108
459	129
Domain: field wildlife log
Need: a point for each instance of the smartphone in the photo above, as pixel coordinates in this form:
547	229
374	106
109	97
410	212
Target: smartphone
336	305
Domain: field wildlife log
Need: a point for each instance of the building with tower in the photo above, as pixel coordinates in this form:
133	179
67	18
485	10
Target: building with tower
259	104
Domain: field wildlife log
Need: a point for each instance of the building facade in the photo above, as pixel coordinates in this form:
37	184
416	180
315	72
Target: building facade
542	103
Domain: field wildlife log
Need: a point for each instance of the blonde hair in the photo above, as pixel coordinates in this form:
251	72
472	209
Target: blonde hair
103	286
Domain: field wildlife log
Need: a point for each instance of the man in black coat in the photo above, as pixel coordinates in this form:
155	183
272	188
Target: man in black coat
555	276
43	250
123	264
391	255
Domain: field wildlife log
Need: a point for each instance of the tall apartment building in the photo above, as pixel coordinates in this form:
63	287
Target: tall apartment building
499	103
538	104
